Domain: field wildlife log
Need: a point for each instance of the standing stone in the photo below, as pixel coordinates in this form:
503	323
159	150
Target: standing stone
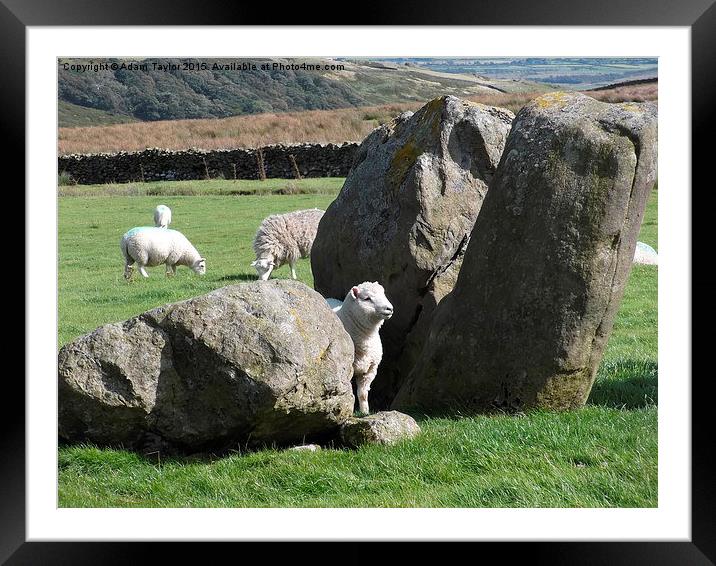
543	276
252	363
404	216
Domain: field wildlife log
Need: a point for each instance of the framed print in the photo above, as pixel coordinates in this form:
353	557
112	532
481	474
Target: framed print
179	424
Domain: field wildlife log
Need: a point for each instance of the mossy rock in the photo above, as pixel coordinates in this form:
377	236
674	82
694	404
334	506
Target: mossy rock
548	259
385	427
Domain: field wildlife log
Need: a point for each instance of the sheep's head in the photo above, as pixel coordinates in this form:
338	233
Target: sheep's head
199	266
369	299
264	266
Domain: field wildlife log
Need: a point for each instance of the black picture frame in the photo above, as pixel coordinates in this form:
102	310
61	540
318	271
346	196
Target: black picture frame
698	15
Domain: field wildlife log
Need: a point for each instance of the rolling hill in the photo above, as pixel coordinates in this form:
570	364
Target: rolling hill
73	116
580	73
115	91
322	126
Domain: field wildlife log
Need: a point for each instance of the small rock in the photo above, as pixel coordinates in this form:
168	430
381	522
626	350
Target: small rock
306	448
385	427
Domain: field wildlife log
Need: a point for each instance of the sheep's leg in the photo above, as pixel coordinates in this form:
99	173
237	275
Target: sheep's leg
293	269
128	269
142	270
362	387
171	270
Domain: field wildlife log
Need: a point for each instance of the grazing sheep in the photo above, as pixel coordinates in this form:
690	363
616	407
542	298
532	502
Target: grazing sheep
284	238
149	246
362	313
645	254
162	216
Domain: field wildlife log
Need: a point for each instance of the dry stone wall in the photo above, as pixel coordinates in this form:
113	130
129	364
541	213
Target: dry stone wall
154	164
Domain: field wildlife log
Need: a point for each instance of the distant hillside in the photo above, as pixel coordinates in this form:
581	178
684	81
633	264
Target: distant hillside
561	72
322	126
652	81
172	89
72	115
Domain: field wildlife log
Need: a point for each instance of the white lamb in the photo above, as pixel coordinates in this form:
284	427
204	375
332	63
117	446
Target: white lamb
284	238
362	313
162	216
149	246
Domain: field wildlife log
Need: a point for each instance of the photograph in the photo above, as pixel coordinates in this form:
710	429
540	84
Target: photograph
360	282
408	279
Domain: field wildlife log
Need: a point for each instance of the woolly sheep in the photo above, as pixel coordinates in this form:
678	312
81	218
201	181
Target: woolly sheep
362	313
284	238
645	254
162	216
149	246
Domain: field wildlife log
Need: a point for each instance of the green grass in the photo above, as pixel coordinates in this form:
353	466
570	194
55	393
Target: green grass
589	458
210	187
91	287
72	115
604	455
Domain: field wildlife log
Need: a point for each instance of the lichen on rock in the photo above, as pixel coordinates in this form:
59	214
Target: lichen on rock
547	262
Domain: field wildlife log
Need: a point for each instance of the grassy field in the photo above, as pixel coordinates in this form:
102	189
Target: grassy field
75	116
210	187
257	130
562	72
91	287
604	455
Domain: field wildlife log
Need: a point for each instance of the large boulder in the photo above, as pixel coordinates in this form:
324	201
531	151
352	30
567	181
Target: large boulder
404	217
545	270
252	363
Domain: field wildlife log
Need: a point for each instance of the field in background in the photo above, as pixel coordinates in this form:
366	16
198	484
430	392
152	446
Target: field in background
213	187
322	126
561	72
91	287
256	130
604	455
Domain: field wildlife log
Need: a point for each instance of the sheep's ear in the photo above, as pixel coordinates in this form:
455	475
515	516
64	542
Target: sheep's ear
253	263
355	291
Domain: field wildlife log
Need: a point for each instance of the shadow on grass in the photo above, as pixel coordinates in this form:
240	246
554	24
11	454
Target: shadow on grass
620	384
238	277
626	384
155	451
